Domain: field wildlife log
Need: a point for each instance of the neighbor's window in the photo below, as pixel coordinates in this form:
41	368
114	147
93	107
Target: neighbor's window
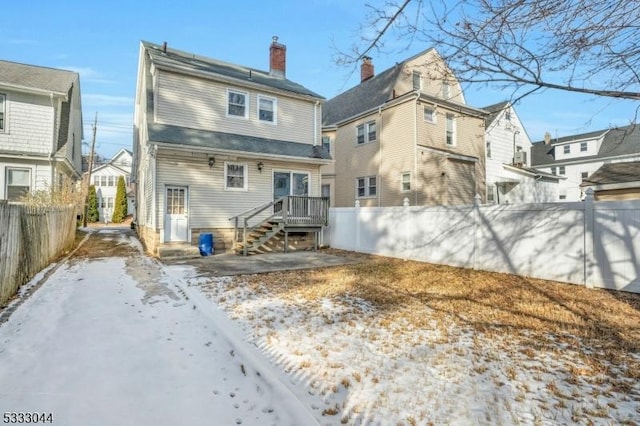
236	104
406	181
488	149
2	114
451	130
553	170
583	146
561	170
325	190
366	132
491	194
507	115
567	149
109	202
326	143
266	109
111	181
18	183
103	181
429	114
366	186
96	181
584	175
446	90
417	80
235	176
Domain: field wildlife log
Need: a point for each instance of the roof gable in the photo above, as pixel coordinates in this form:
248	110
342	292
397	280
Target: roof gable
190	63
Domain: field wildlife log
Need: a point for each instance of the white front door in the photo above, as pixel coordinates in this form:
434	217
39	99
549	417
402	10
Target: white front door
176	218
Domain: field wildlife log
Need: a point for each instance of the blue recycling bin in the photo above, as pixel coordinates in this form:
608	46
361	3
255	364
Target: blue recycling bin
205	244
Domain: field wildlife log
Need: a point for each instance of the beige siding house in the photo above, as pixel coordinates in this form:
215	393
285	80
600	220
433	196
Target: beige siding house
40	128
404	135
213	140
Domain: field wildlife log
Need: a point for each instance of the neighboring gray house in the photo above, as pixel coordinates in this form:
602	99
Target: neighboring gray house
510	177
578	157
213	140
40	128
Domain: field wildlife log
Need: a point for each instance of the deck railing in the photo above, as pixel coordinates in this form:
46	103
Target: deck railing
293	210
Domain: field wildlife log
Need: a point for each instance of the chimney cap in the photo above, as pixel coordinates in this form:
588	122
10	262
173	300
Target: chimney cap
274	39
547	138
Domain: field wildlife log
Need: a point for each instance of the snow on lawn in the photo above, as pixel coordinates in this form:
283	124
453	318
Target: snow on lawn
368	369
113	341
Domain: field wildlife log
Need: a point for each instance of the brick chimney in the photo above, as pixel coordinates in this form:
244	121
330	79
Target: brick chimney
366	69
277	59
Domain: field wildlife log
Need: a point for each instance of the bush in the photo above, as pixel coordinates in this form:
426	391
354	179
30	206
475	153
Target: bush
92	205
120	207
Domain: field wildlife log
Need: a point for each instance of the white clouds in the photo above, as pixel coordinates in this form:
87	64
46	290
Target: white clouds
87	74
106	100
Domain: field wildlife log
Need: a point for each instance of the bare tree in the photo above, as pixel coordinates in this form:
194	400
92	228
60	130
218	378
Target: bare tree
589	47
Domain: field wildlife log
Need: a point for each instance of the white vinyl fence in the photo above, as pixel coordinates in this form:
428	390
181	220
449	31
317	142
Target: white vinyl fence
596	244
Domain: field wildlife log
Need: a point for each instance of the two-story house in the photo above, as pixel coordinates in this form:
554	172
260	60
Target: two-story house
40	128
404	134
213	140
105	179
510	177
577	157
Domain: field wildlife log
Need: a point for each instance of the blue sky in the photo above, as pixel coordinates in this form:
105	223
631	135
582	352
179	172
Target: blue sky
100	40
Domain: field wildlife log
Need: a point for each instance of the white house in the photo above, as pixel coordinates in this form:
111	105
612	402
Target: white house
577	157
213	140
40	128
105	179
510	177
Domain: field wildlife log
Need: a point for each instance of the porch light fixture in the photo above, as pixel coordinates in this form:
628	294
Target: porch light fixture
212	161
260	165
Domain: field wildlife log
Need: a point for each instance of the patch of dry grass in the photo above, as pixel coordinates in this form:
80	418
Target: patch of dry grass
538	313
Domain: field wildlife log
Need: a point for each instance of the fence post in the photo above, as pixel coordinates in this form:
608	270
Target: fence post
476	227
589	224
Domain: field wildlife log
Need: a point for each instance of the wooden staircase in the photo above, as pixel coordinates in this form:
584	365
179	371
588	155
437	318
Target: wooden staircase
292	213
259	236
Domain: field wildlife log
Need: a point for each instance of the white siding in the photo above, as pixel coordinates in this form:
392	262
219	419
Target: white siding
202	104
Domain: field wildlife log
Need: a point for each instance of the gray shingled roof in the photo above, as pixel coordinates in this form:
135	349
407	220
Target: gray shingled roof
367	95
36	77
615	173
494	111
177	135
617	142
179	60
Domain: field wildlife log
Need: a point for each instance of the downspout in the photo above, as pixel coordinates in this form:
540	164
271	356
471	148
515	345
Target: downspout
53	142
315	123
415	149
380	157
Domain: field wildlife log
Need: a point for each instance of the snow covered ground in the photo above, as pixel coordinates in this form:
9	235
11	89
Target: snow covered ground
125	340
368	370
113	341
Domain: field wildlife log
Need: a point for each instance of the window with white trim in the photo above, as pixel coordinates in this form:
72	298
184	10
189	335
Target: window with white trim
488	149
3	102
583	146
235	176
446	90
109	202
96	181
267	108
553	170
417	80
405	179
429	114
326	143
237	103
584	175
451	130
561	170
366	186
18	183
567	149
103	181
366	133
491	194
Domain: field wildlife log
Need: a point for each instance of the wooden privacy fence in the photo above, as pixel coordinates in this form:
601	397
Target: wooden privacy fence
30	239
592	243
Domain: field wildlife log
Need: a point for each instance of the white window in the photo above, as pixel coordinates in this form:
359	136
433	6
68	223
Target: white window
451	130
507	115
2	111
366	186
406	181
417	80
103	181
235	176
366	133
446	90
429	114
491	194
18	183
584	175
567	149
267	109
583	146
111	180
109	202
96	181
561	170
326	143
237	104
553	170
488	149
